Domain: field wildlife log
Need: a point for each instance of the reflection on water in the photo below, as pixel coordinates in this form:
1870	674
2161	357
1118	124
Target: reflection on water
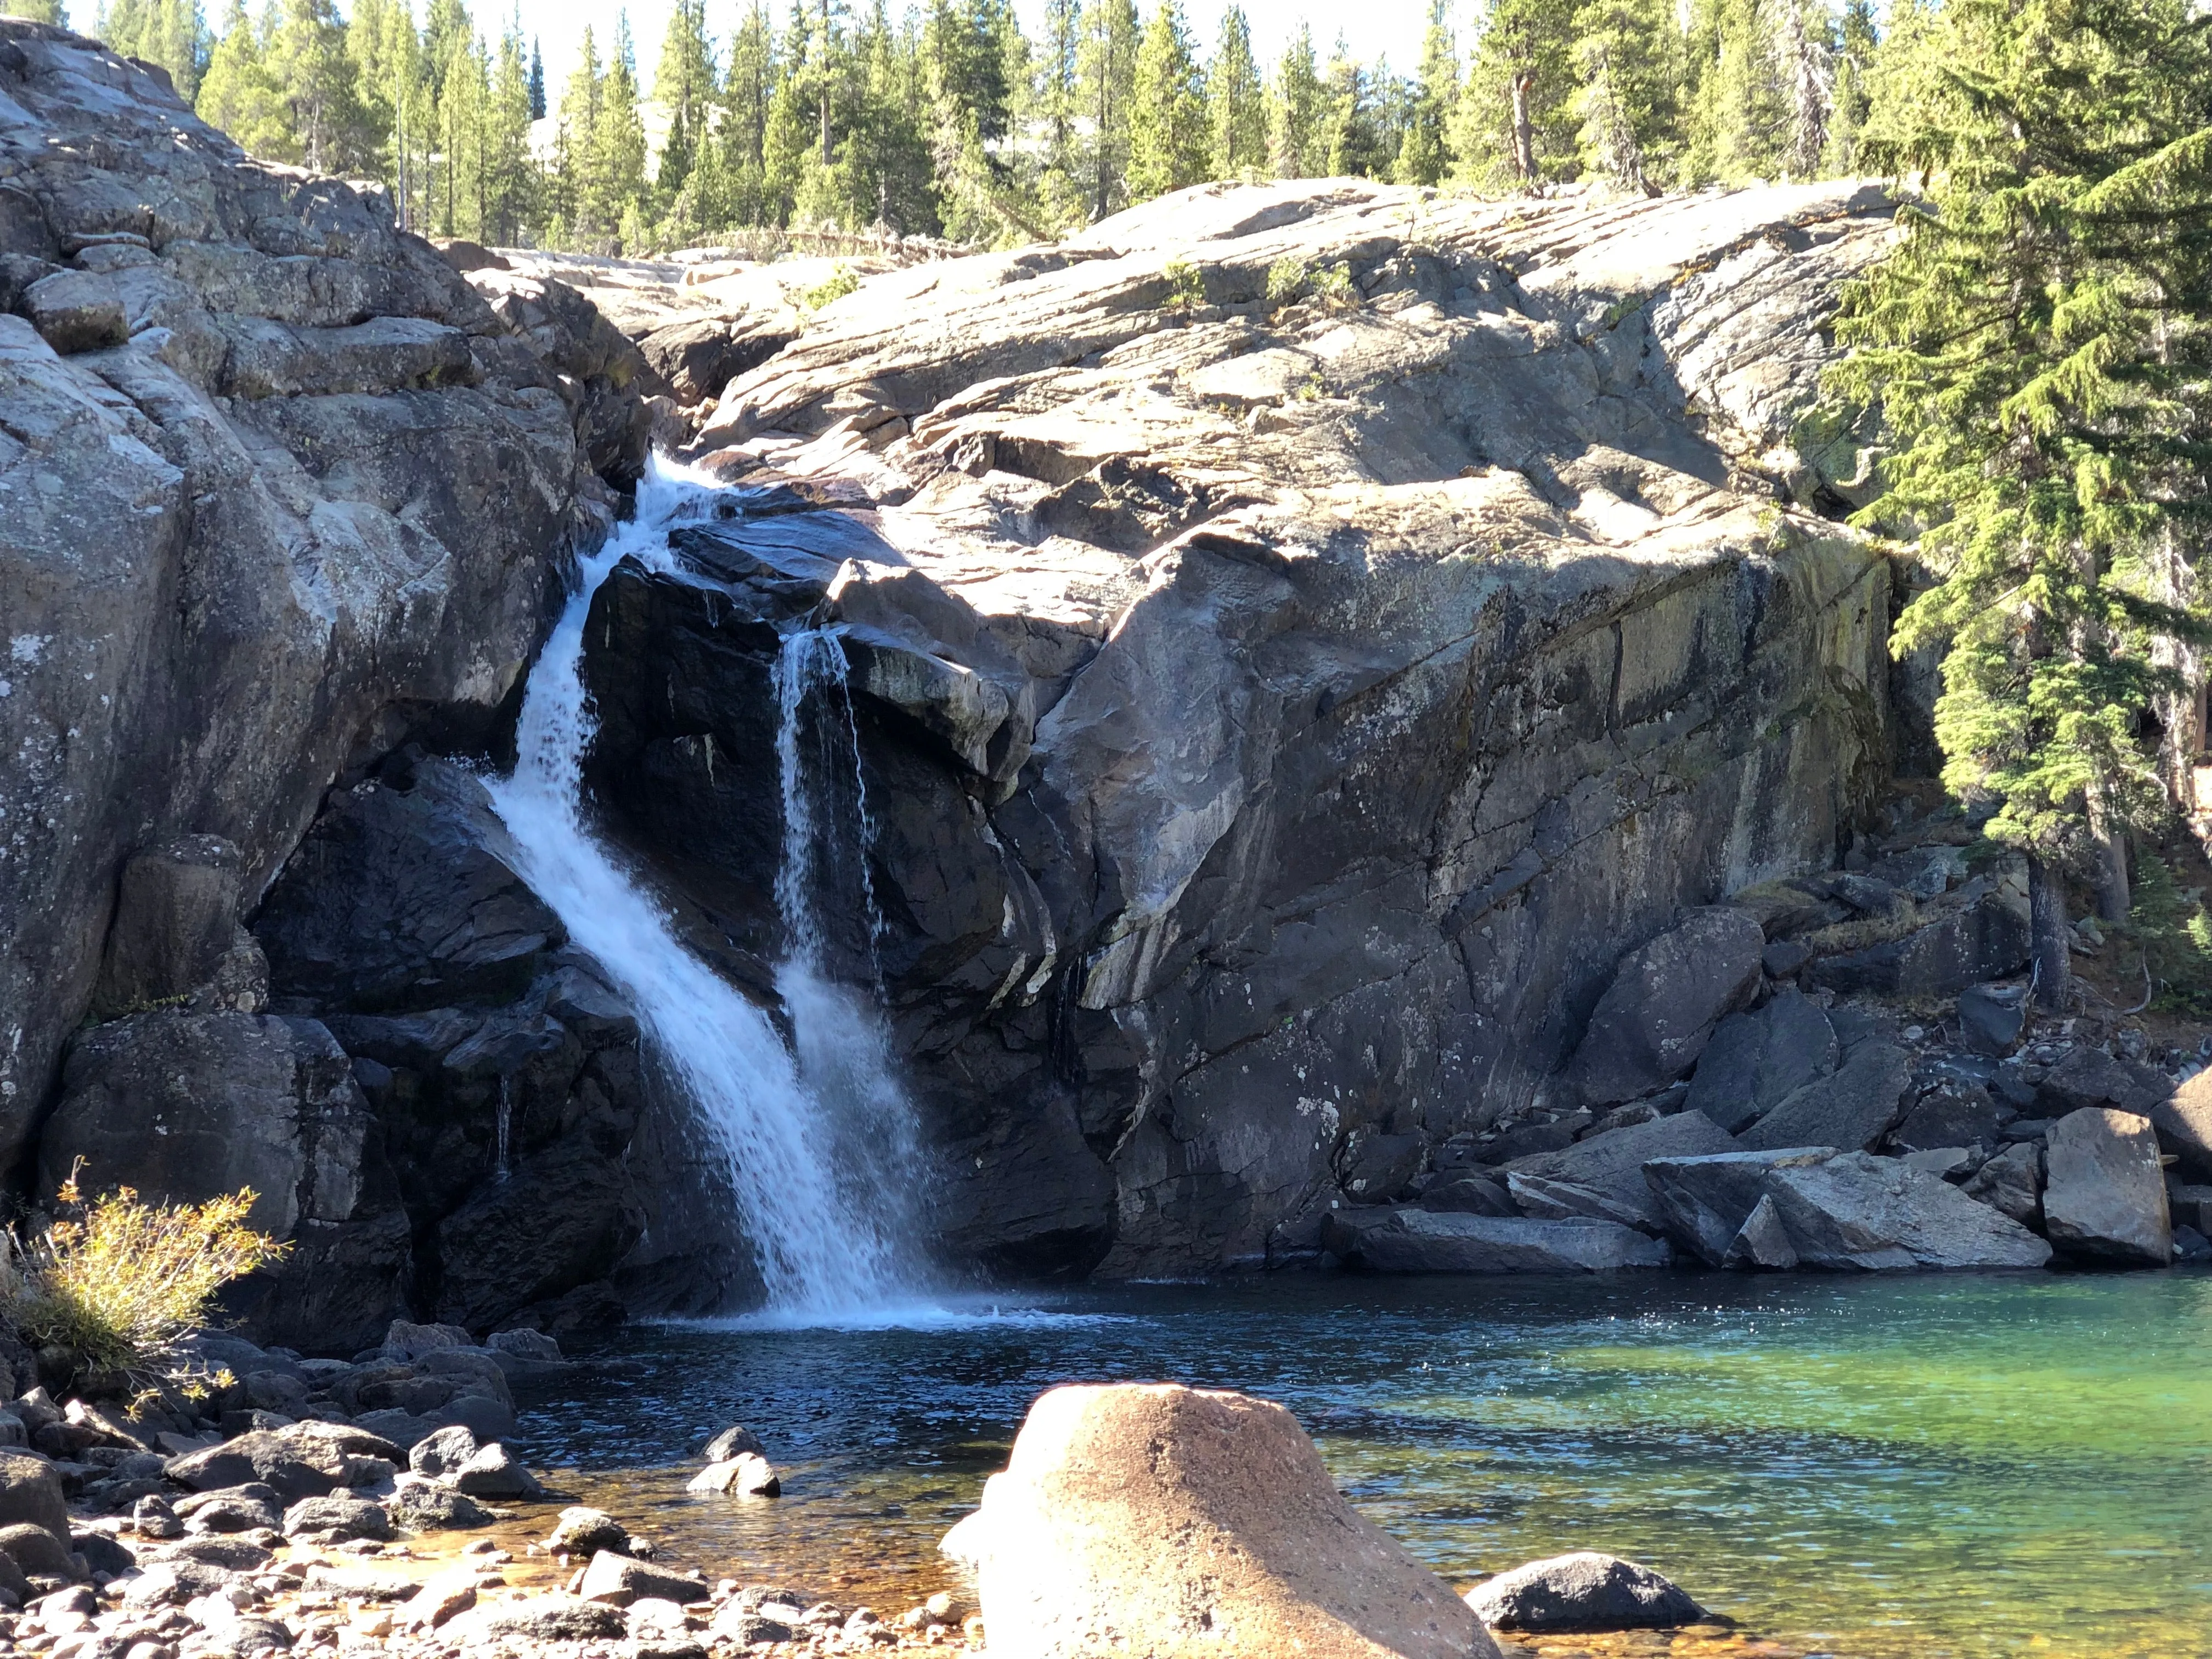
1945	1465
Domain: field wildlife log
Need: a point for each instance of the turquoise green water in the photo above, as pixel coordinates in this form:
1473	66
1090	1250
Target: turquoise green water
1965	1465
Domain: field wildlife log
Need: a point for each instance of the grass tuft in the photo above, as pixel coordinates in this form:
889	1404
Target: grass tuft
115	1282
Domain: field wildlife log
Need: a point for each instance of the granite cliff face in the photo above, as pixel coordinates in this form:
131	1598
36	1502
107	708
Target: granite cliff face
279	492
1305	633
1300	637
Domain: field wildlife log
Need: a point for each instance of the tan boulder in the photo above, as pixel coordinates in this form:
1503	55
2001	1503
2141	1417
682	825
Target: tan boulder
1154	1519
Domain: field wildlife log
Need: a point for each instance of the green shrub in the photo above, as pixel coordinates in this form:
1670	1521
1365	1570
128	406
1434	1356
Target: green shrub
114	1282
1286	280
1186	286
835	286
2168	923
1332	286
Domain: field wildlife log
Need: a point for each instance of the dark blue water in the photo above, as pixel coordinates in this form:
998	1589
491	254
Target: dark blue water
1936	1465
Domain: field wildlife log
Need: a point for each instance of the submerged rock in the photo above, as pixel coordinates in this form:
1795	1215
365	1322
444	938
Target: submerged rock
1158	1519
1583	1591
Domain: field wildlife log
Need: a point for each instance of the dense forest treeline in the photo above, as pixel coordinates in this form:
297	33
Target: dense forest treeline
948	118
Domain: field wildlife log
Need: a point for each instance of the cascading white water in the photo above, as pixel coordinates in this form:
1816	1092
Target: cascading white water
801	1141
838	1032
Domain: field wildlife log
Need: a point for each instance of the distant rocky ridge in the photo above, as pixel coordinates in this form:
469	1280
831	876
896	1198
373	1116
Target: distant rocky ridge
1304	635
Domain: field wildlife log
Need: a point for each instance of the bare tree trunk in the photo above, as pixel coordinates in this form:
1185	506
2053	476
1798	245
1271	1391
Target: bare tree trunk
825	84
2046	929
2112	843
1524	132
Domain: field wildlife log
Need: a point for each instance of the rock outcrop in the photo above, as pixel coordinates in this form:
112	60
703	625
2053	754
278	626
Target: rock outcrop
1163	1520
1298	638
1279	709
280	488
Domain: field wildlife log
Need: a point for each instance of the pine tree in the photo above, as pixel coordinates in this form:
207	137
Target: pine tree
1852	99
748	93
1237	103
1516	127
1168	137
1628	52
575	191
38	12
537	82
683	87
1110	32
1061	190
1353	117
2039	345
239	95
1297	134
172	34
1425	152
510	178
619	182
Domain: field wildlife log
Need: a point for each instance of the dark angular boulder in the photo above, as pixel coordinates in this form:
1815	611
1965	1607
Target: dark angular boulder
1666	995
1755	1060
1612	1162
1852	1110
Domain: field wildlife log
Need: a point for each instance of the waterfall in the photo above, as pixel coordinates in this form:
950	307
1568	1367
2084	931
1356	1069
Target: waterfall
816	1143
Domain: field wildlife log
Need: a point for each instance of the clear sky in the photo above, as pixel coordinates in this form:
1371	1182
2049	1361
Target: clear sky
1391	29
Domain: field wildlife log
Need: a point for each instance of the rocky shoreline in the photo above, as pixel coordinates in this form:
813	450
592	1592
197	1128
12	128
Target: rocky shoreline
263	1518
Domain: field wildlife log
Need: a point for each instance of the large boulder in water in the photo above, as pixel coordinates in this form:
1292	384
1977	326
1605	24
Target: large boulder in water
1166	1521
1583	1591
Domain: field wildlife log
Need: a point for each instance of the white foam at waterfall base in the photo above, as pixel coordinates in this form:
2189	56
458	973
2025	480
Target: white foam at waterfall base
796	1160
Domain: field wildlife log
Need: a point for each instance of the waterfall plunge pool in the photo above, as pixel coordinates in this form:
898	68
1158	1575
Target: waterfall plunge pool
1877	1467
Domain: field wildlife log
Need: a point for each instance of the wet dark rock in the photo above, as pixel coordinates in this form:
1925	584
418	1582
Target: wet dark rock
1526	1140
2104	1194
31	1493
1666	996
442	1452
618	1580
1984	940
1375	1167
230	1552
554	1619
339	1516
1612	1163
2090	1077
37	1553
1469	1194
1991	1017
249	1507
494	1472
421	1507
731	1442
1953	1114
2011	1181
583	1531
1584	1591
1411	1241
